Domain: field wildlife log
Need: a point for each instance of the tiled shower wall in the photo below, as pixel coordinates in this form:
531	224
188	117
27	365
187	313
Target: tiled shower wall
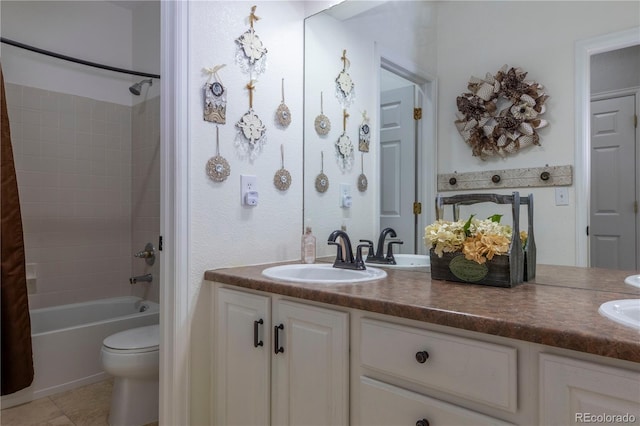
73	159
145	194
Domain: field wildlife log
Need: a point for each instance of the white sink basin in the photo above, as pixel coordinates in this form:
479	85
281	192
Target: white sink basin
322	273
407	261
633	280
624	311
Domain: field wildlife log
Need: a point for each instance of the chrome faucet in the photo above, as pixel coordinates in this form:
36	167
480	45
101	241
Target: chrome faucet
147	278
346	260
379	256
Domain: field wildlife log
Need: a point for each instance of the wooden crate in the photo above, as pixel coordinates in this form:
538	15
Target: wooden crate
454	267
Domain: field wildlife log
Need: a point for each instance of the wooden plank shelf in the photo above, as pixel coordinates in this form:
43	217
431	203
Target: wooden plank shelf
509	178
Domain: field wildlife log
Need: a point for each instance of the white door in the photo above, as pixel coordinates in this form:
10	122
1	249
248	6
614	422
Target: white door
397	165
311	373
242	359
612	225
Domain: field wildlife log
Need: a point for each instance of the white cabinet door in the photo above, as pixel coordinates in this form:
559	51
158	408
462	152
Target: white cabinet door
310	380
241	358
575	392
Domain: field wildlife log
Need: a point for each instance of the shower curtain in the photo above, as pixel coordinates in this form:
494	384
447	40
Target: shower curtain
16	360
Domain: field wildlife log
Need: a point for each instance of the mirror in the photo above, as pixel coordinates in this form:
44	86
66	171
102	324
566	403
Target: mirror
383	55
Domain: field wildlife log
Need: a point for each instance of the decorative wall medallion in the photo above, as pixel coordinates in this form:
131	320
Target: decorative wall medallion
282	178
364	134
344	147
251	130
215	98
345	87
363	183
251	54
322	123
218	168
501	114
283	115
322	181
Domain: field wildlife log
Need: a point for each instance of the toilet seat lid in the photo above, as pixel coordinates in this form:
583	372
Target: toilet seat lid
147	338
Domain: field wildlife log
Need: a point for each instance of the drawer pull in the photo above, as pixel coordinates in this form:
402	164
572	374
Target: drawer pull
422	357
256	341
277	348
422	422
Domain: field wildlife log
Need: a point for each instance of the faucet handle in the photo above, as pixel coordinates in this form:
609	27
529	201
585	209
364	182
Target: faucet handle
359	262
369	245
390	250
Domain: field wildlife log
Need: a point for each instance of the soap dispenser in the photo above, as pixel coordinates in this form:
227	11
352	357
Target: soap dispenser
308	246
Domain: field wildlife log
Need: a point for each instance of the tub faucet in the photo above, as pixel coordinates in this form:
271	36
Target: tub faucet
147	278
346	260
379	256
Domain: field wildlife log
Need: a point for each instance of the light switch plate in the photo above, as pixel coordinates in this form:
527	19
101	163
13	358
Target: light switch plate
562	196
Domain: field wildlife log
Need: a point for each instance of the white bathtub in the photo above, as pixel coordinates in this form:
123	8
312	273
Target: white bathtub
67	341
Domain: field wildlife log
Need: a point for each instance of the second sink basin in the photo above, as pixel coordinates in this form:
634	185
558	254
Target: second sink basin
322	273
407	261
624	311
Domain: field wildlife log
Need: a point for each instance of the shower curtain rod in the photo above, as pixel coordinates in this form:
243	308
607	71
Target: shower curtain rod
77	61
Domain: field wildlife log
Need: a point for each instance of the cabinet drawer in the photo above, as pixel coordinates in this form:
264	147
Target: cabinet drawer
478	371
384	404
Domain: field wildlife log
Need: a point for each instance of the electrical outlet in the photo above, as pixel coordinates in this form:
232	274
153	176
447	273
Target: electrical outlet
248	190
562	196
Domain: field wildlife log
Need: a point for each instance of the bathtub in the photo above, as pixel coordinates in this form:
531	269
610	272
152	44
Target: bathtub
67	341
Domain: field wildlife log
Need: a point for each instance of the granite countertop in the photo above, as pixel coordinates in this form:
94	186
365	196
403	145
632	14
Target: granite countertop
559	308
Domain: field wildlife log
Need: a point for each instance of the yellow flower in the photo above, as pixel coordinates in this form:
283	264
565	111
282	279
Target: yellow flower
481	248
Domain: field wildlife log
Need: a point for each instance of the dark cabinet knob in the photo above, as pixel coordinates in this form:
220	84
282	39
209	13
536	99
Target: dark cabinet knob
545	176
422	422
453	181
495	178
422	356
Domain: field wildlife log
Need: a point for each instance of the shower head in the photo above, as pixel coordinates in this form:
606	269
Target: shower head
135	89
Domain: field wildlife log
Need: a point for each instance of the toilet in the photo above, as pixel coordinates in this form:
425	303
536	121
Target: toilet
132	357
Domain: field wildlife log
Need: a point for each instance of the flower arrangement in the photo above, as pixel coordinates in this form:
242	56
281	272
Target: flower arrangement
478	240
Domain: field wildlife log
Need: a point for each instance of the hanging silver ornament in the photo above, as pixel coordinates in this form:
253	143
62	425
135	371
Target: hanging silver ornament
322	181
282	178
283	115
218	168
363	183
251	54
322	123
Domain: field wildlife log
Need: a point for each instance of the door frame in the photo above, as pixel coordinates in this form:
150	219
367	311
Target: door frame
583	51
427	133
175	322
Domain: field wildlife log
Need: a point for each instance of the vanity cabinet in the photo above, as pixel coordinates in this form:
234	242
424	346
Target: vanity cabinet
278	362
575	391
479	372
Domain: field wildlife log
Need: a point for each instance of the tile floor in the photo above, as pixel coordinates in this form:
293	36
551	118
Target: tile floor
85	406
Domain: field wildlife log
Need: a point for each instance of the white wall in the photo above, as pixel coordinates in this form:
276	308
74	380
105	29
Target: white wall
541	41
222	232
94	31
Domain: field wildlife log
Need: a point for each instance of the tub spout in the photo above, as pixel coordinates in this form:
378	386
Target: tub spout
147	278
